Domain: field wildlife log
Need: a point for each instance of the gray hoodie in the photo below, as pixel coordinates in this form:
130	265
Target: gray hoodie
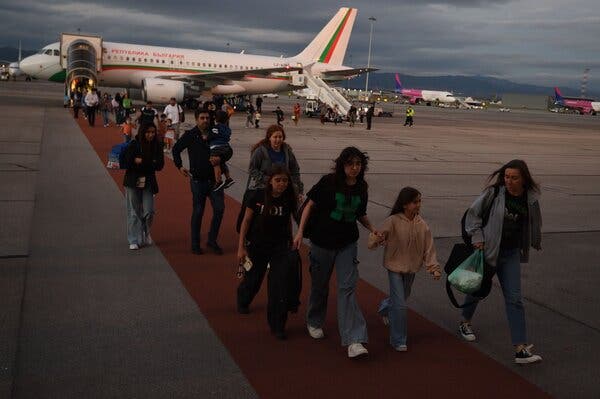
491	234
260	165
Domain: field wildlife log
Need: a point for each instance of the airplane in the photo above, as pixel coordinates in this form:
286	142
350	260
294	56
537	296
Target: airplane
162	73
581	105
416	96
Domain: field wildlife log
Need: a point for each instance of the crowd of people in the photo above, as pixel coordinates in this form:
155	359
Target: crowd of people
504	221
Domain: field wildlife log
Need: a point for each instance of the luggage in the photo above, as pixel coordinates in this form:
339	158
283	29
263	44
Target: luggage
116	156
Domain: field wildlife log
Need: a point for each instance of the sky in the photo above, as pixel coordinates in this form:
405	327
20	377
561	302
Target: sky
543	42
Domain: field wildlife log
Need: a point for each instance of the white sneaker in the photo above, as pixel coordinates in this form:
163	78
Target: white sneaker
134	247
401	348
357	349
316	333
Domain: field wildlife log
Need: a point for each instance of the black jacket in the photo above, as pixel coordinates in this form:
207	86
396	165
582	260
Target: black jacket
147	168
198	153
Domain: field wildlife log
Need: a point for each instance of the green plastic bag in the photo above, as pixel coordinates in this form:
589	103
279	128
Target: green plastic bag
467	277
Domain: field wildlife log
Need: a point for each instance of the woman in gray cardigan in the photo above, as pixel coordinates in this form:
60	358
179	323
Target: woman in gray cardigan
514	224
267	152
272	150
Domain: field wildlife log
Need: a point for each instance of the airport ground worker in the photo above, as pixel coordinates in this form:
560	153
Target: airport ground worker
410	112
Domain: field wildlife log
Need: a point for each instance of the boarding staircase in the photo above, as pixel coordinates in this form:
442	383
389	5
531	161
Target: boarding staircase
81	57
326	94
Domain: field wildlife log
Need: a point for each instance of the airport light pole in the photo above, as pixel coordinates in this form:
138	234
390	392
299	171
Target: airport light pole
372	19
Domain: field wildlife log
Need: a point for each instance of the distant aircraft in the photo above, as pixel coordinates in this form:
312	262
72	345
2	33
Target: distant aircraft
14	69
581	105
416	96
162	72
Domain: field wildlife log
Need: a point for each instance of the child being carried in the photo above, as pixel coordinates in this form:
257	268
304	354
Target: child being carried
220	150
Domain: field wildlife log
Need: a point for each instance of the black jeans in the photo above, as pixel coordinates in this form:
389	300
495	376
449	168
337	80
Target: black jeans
277	283
202	189
91	115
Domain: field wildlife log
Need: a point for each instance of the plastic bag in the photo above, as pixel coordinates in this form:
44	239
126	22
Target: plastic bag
467	277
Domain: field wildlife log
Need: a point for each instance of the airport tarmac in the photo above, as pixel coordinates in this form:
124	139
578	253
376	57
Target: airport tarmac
447	155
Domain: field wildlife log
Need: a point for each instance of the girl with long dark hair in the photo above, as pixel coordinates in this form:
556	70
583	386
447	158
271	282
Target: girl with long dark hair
514	225
408	246
334	206
143	157
266	239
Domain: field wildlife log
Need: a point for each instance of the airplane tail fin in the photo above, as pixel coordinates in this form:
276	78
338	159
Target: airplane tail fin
557	96
398	84
329	46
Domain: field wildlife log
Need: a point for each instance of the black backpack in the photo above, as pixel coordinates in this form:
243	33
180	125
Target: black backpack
460	252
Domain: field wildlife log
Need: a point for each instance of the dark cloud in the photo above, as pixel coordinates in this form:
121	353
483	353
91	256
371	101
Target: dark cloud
529	41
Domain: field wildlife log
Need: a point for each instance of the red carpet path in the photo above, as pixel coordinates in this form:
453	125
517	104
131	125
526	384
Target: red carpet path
437	364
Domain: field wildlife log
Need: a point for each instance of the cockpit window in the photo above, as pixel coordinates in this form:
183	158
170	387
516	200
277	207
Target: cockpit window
48	52
56	53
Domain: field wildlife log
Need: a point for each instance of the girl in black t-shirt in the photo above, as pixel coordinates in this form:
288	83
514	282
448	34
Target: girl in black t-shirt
334	205
266	238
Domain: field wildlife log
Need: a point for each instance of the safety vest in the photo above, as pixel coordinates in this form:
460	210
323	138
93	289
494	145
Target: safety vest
410	112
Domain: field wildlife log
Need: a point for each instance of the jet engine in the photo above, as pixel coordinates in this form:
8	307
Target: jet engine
161	90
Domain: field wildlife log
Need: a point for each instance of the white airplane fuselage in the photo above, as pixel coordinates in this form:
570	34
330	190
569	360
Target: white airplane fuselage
127	65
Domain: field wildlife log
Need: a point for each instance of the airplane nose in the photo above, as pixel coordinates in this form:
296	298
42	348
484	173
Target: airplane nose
28	65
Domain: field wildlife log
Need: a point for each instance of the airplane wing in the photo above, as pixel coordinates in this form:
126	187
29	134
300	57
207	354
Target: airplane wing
346	73
222	77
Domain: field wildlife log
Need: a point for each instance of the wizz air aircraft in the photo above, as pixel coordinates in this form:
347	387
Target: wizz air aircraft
162	72
416	96
581	105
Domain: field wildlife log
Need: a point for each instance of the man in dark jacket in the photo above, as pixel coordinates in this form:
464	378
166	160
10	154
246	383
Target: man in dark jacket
202	179
370	113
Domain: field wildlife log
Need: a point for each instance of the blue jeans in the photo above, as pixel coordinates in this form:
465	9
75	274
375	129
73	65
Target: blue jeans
394	306
351	323
508	270
202	189
105	117
140	213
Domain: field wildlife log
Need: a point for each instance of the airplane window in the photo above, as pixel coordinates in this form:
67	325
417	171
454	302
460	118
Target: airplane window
127	58
180	62
220	66
56	53
145	60
108	57
204	64
163	61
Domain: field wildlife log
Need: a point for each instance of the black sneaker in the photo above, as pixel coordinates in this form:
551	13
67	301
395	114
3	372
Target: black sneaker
215	248
243	309
524	356
228	183
219	185
466	332
197	251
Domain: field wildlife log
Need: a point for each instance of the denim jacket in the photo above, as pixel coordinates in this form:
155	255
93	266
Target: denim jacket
491	234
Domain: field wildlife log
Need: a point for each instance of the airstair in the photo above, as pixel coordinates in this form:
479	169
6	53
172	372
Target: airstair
81	57
326	94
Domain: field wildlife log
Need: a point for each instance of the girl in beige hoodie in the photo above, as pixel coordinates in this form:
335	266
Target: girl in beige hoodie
408	246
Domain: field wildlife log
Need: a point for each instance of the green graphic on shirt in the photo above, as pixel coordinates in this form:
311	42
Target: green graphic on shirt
345	210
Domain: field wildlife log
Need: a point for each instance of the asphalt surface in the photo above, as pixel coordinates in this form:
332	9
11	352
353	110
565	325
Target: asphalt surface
45	179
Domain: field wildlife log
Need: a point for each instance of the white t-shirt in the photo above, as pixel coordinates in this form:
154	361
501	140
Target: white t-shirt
172	112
